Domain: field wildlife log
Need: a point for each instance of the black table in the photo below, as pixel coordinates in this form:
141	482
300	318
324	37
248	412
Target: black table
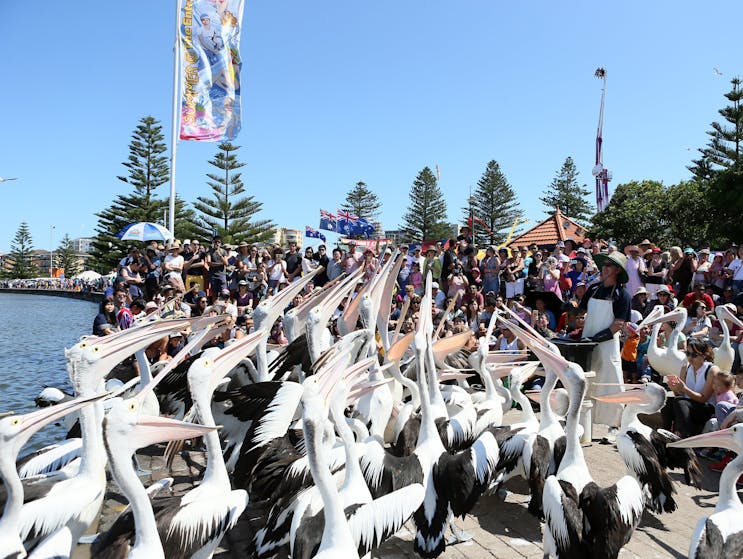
577	352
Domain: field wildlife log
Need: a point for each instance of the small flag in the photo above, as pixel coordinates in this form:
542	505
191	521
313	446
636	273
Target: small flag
313	233
328	221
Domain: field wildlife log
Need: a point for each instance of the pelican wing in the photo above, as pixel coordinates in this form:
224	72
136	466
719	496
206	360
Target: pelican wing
671	458
385	473
641	458
611	514
371	524
49	458
564	517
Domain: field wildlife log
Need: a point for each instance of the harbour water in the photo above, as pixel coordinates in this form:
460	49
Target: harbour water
34	330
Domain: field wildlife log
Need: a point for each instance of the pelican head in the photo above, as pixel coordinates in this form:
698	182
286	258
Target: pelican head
678	315
728	312
125	427
648	398
16	430
730	438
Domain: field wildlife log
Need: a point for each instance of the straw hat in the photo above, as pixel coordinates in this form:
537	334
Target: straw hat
175	245
646	243
616	258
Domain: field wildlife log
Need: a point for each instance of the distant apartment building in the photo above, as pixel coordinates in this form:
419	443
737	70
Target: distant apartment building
283	236
82	244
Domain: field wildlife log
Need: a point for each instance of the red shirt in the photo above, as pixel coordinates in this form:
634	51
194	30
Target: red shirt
694	296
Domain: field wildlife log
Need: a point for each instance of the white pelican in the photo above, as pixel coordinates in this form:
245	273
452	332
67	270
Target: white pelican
719	535
724	354
643	448
126	430
666	361
15	431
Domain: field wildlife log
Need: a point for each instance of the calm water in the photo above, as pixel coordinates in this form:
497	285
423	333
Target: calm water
34	330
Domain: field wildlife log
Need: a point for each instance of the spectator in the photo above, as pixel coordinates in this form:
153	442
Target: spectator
655	272
490	271
151	267
244	298
635	268
682	271
698	323
693	401
335	268
457	283
322	260
698	294
432	263
173	266
640	301
194	264
725	398
105	322
276	270
295	265
216	264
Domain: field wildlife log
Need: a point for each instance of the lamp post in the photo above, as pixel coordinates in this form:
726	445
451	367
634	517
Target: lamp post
51	251
472	201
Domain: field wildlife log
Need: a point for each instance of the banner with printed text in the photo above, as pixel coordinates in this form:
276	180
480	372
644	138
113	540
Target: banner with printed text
210	69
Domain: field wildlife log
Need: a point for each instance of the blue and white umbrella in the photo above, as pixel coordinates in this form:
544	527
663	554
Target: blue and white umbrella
144	231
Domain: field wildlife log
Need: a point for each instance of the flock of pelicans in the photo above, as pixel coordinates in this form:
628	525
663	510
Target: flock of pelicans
340	447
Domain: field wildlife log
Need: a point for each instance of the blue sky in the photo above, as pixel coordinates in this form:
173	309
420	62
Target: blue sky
335	92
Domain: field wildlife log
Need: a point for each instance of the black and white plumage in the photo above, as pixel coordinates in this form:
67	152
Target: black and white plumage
15	431
643	448
720	535
582	519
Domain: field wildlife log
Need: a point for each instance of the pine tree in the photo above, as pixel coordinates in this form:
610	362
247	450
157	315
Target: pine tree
725	148
226	211
148	169
565	193
66	257
494	207
21	255
362	202
425	218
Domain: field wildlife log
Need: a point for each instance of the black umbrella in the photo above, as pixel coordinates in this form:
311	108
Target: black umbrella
550	298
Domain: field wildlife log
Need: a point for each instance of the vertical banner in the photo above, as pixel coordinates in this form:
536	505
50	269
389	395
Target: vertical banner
210	69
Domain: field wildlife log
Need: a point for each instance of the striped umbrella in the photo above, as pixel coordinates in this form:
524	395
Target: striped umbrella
144	231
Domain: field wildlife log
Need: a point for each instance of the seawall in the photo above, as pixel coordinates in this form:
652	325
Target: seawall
94	296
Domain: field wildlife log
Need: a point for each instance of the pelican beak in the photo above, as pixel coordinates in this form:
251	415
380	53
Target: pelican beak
631	395
230	356
398	349
498	357
656	313
724	438
130	341
198	339
446	346
453	374
729	315
676	315
500	371
151	430
364	388
34	421
534	395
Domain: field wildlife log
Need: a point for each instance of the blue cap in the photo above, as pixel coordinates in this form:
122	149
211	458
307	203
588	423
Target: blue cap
688	250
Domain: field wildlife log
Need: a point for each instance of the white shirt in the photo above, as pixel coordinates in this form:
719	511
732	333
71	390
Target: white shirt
737	267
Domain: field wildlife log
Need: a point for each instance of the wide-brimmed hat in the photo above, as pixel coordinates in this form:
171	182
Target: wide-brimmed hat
646	242
641	290
663	289
174	245
631	248
616	258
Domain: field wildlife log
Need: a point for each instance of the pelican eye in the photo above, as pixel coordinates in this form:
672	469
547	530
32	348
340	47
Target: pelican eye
83	345
207	363
15	421
132	406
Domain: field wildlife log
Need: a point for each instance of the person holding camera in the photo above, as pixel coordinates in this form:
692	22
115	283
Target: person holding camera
457	283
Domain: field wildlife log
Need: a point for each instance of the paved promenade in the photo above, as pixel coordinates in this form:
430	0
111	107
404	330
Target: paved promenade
502	529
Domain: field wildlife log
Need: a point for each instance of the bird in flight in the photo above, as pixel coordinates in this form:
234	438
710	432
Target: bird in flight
717	72
3	179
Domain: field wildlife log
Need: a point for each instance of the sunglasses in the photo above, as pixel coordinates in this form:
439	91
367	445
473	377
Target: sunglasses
693	354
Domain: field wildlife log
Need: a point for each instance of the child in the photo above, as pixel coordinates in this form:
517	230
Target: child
643	367
725	398
629	353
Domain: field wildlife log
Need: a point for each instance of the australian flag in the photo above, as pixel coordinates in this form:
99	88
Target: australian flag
313	233
327	221
347	223
364	228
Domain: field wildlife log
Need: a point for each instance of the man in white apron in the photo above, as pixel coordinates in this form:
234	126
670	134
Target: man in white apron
607	306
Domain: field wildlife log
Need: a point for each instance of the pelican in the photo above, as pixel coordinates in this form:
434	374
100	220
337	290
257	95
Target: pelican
64	511
719	535
346	530
724	354
3	179
15	431
669	360
582	518
266	313
643	448
126	430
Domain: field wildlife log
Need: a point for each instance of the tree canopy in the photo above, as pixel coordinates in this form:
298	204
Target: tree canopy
229	211
66	257
425	218
21	255
566	193
362	202
494	205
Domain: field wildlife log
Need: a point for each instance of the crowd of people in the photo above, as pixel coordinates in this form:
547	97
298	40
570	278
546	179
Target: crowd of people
589	291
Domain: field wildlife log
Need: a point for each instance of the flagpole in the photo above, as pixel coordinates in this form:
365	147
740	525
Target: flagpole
176	114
